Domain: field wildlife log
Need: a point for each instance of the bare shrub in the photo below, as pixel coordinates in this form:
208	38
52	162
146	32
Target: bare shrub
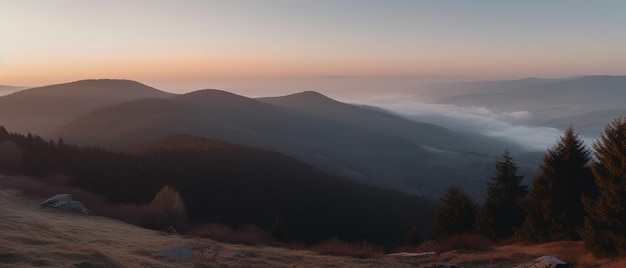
466	241
362	249
169	199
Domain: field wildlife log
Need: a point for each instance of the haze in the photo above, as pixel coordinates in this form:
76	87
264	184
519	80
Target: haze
261	48
381	53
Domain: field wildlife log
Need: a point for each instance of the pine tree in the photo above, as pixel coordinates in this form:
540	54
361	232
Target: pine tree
553	206
501	212
457	214
604	231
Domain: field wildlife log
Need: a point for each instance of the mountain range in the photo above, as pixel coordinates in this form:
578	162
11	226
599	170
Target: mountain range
42	109
366	144
588	102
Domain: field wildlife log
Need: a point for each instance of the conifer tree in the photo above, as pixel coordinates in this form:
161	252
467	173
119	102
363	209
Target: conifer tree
604	231
501	212
553	206
457	214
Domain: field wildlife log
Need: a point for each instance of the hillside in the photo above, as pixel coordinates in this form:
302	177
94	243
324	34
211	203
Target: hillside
41	109
32	236
319	106
6	90
365	145
220	182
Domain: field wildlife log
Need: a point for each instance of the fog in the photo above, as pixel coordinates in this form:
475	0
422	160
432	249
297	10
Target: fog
513	127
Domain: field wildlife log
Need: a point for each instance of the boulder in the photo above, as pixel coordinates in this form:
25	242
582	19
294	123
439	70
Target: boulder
545	262
65	202
182	252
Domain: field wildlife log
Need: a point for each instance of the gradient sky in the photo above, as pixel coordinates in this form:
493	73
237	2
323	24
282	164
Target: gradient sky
186	45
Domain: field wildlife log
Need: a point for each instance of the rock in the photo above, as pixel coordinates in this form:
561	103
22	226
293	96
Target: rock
545	262
182	252
171	230
65	202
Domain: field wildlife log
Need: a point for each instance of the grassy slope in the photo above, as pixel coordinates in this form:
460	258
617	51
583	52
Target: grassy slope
34	236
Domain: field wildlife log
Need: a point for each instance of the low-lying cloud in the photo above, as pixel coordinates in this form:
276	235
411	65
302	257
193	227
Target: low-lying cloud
510	126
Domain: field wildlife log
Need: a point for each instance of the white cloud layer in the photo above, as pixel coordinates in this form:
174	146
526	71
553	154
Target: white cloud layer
511	126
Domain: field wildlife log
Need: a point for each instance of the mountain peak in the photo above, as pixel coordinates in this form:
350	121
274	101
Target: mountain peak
302	99
211	96
97	88
310	95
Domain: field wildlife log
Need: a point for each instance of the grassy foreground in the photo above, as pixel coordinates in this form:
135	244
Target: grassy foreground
33	236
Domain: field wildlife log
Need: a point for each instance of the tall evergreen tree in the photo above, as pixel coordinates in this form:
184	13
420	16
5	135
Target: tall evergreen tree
457	214
501	212
553	206
604	231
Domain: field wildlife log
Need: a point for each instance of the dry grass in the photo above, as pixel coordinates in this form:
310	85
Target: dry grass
458	242
361	249
32	236
247	235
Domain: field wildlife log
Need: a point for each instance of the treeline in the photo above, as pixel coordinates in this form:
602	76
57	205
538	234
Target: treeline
229	184
574	197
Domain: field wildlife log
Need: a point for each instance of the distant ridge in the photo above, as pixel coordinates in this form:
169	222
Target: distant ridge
317	105
99	88
6	90
367	145
41	109
304	98
577	95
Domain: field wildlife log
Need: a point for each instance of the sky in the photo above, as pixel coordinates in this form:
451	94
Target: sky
260	48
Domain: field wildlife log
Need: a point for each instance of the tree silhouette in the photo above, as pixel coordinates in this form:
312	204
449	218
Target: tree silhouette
553	206
604	231
457	214
501	212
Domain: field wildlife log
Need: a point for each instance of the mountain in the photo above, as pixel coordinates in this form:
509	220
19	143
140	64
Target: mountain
589	124
587	103
41	109
318	106
6	90
220	183
549	99
365	145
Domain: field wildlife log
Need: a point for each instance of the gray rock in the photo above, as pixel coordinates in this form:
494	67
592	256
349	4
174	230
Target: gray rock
182	252
545	262
65	202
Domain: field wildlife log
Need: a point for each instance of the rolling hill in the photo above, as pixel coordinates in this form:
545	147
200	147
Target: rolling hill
316	105
363	144
221	183
41	109
6	90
